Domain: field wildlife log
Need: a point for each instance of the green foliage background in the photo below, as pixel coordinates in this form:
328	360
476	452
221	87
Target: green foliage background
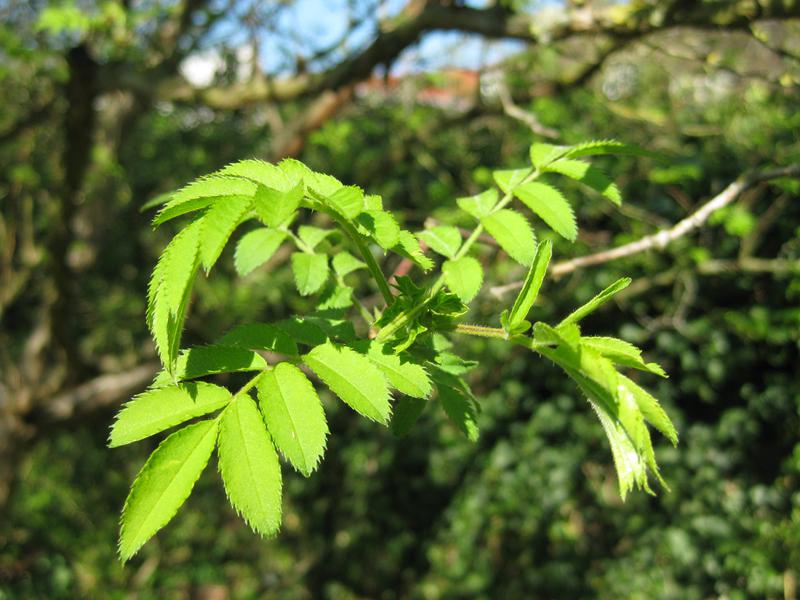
531	508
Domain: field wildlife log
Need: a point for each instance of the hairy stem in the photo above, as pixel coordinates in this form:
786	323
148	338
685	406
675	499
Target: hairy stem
482	331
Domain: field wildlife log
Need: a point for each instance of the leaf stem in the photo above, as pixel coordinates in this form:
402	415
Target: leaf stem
482	331
391	328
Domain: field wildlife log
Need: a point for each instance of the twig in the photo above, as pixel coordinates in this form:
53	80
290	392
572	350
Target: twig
662	238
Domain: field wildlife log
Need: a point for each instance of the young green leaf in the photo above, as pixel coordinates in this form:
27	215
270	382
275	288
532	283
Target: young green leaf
159	409
461	410
261	336
442	239
480	205
548	203
408	246
274	207
348	201
310	272
345	263
294	416
255	248
595	303
218	224
651	409
596	147
464	277
164	483
249	466
533	283
622	353
258	171
312	236
403	374
353	378
171	289
381	226
209	360
407	411
202	193
335	296
513	233
508	179
588	175
543	154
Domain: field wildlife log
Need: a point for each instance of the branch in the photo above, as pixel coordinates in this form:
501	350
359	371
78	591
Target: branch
662	238
101	391
421	16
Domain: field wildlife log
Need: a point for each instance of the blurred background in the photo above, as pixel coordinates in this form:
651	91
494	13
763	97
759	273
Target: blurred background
106	104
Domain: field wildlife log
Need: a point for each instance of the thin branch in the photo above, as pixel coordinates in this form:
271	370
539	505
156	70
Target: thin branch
662	238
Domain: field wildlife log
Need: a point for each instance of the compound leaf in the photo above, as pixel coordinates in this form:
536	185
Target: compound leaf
408	246
353	378
159	409
164	483
258	171
407	411
381	226
201	193
260	336
461	410
348	201
248	463
509	179
294	416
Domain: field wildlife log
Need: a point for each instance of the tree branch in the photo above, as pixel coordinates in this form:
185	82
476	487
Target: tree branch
661	239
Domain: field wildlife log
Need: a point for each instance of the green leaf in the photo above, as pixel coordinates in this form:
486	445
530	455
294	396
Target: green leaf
164	483
403	374
548	203
304	331
159	409
461	409
312	236
249	466
209	360
295	171
310	272
353	378
335	296
345	263
597	301
202	193
276	208
258	171
407	412
255	248
464	277
348	201
408	246
170	289
596	147
480	205
651	409
533	283
509	179
218	224
294	416
381	226
588	175
442	239
543	154
514	234
261	336
622	353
